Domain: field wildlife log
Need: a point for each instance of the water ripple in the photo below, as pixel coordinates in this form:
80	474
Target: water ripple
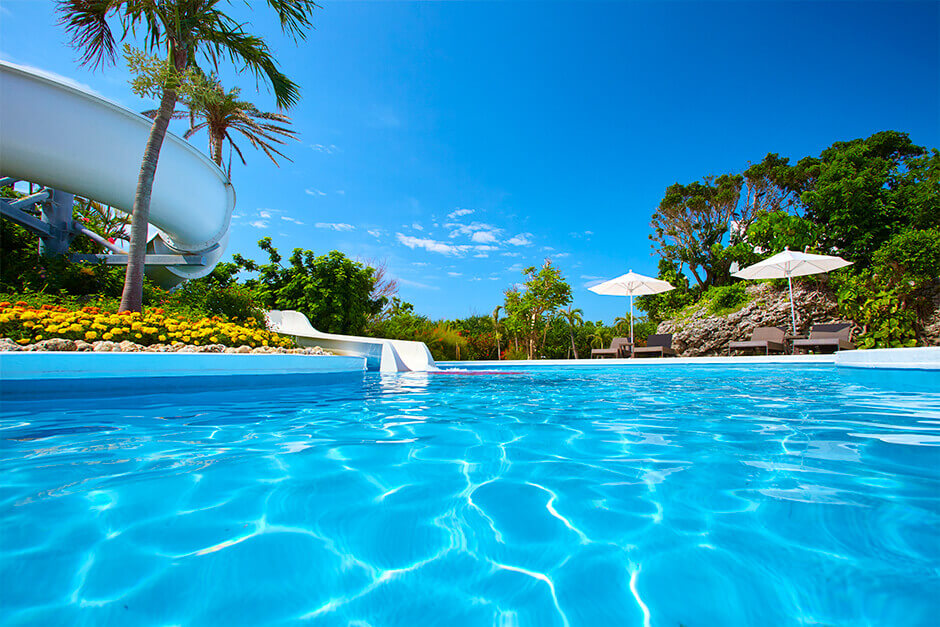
660	496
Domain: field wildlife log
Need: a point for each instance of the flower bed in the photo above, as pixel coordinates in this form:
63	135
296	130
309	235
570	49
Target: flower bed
26	324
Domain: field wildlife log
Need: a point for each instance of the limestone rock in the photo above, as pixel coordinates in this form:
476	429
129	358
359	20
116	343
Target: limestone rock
52	344
6	344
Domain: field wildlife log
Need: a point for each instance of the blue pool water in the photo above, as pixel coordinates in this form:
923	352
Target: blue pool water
621	496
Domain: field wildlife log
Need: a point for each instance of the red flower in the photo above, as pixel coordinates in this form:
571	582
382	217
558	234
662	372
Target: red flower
84	219
111	240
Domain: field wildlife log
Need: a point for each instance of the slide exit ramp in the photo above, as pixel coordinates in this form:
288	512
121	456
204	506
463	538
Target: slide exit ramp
381	354
72	141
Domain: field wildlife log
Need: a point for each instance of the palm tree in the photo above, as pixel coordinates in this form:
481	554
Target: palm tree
183	29
598	338
221	113
573	317
622	325
499	352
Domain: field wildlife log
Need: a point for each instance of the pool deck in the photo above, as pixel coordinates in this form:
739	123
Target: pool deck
920	358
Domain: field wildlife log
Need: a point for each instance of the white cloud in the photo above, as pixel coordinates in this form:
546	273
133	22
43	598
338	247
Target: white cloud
511	254
259	224
477	231
374	232
431	245
590	277
454	274
290	219
341	192
485	248
237	216
459	212
476	278
516	267
494	278
315	192
561	255
485	237
417	226
264	214
522	239
419	263
336	226
324	148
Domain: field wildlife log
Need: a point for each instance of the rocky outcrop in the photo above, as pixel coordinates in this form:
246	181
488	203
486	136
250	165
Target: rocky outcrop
702	333
932	323
59	344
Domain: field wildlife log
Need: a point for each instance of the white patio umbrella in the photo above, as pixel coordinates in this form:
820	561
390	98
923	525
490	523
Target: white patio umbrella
790	264
632	284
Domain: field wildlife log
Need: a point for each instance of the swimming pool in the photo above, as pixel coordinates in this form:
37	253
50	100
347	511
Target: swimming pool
755	495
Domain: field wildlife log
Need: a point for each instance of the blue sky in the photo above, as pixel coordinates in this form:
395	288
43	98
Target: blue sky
460	142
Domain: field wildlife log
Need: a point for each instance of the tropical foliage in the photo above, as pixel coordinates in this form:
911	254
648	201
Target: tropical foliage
873	201
185	31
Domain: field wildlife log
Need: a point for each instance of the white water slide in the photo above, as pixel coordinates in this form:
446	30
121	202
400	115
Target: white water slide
68	139
381	354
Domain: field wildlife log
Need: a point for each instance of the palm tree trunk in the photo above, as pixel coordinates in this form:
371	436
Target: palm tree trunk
133	294
216	150
574	348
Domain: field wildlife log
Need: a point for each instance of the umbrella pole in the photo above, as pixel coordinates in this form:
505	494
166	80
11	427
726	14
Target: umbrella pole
631	321
792	309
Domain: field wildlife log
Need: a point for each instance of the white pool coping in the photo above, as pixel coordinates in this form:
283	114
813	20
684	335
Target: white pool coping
51	366
919	358
645	361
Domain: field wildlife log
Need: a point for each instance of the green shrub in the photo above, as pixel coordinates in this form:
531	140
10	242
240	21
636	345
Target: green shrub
880	311
726	299
911	256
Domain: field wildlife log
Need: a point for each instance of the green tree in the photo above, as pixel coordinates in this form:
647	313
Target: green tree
772	231
574	318
182	29
692	221
333	291
221	114
544	292
658	307
867	190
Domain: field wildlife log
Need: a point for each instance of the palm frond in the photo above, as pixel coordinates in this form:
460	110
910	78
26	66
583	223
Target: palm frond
294	15
86	22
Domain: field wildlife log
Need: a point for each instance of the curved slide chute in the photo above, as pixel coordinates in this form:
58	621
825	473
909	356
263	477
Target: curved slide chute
381	354
68	139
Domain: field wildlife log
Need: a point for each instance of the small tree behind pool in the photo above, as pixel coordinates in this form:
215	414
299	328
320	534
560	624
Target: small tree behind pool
332	290
529	310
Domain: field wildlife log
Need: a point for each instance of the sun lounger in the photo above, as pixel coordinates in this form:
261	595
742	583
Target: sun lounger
826	338
656	346
766	339
619	347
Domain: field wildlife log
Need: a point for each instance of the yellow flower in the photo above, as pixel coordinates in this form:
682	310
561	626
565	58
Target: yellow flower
24	340
106	336
162	338
138	335
90	335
